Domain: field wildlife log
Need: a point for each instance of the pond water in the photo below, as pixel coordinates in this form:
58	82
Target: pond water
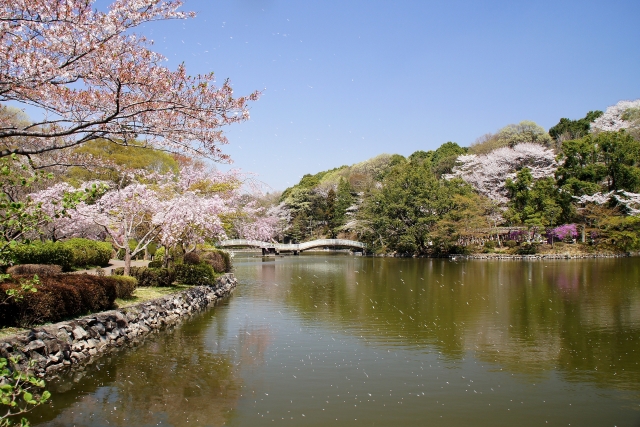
338	340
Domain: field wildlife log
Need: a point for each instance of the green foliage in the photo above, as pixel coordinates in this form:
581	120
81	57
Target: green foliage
536	204
602	162
440	161
511	243
128	158
19	216
622	232
154	264
197	275
20	392
413	209
89	252
150	277
490	244
567	129
511	135
125	286
527	249
344	199
56	253
308	182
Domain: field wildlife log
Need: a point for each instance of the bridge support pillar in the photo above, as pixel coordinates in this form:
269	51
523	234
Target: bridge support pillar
296	252
264	252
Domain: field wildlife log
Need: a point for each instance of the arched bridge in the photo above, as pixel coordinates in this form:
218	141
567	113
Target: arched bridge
296	248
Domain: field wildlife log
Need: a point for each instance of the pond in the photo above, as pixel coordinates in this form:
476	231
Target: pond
334	339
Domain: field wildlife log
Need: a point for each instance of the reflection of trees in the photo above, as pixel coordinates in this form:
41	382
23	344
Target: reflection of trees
172	380
578	317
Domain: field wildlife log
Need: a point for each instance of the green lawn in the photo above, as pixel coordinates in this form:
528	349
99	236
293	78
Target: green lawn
146	294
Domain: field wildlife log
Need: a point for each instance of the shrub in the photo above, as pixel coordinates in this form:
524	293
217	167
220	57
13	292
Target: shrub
461	250
89	252
175	255
43	253
191	258
125	286
155	264
159	254
219	260
527	249
150	277
490	244
511	243
31	269
200	274
58	297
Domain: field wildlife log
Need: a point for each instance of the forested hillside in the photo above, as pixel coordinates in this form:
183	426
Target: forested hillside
522	187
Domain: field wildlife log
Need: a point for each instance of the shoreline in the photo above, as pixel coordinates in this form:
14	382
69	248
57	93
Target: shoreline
69	345
538	256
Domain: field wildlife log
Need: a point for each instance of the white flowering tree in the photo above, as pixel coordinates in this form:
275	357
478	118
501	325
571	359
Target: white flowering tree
623	115
488	173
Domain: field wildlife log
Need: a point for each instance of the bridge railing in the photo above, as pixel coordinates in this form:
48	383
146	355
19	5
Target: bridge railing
292	246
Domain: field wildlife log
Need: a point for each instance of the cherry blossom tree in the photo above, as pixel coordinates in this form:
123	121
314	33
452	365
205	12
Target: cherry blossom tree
190	219
92	78
489	172
618	116
259	223
126	215
630	202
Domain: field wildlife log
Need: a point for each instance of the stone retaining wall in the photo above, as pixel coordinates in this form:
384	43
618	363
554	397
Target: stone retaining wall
73	343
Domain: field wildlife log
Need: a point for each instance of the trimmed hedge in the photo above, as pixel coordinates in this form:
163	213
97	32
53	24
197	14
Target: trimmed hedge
125	286
199	274
219	260
43	253
58	297
150	277
31	269
155	264
67	254
89	252
191	258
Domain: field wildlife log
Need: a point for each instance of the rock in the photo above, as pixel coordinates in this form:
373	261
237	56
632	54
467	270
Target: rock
79	333
121	320
35	345
52	368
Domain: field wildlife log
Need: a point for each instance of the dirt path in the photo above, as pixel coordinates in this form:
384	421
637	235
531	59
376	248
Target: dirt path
113	263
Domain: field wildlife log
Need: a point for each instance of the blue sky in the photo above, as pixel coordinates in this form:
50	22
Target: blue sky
344	81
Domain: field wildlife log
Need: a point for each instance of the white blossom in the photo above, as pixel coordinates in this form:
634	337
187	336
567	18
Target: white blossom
489	172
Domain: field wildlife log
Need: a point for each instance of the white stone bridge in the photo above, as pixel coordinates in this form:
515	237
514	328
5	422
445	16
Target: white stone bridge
296	248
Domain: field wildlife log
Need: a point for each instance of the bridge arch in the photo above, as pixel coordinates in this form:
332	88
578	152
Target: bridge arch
269	247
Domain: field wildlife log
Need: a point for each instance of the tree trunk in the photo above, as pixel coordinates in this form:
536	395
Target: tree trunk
127	261
165	258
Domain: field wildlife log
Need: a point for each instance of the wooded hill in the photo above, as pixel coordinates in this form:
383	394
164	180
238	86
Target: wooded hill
522	186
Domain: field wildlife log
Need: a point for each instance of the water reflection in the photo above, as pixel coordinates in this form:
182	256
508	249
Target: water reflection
175	378
320	339
579	317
